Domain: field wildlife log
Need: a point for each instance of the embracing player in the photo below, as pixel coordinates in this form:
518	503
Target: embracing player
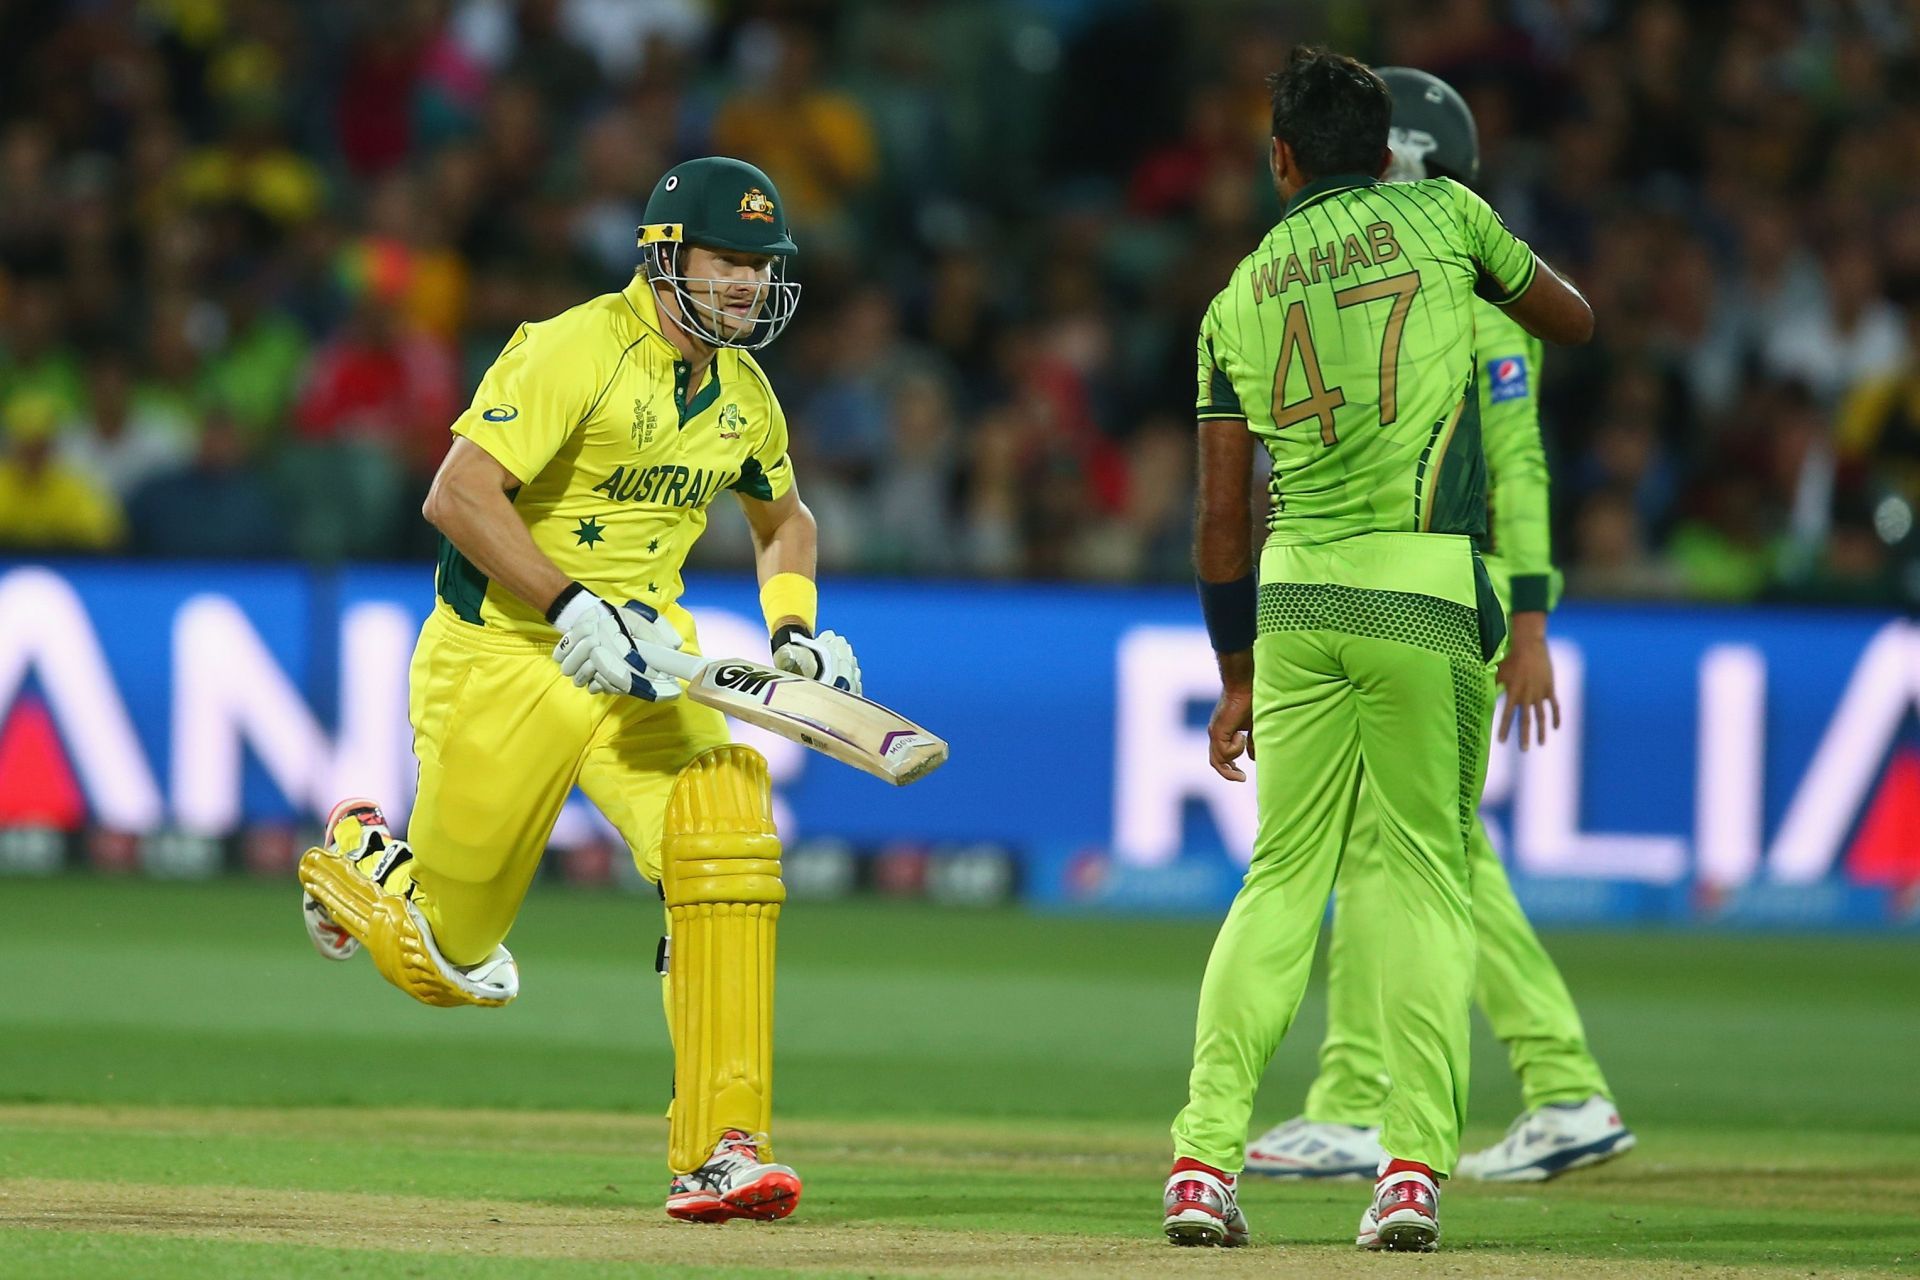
1345	344
577	481
1570	1120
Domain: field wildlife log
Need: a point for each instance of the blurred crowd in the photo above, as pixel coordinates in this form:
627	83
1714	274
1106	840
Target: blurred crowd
254	256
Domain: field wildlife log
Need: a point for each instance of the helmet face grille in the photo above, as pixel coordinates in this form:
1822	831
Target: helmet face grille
1410	149
1434	134
779	299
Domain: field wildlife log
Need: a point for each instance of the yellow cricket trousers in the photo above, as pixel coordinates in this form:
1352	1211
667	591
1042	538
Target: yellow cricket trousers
503	738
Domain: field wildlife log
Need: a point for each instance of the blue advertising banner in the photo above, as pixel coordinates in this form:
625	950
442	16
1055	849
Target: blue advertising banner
1759	767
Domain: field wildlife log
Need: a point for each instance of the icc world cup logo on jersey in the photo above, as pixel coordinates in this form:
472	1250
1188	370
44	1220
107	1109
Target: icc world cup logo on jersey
644	421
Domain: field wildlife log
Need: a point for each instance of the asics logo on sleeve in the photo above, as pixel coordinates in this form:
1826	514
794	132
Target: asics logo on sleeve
501	413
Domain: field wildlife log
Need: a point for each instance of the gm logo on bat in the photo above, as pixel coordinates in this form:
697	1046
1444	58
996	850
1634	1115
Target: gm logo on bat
744	678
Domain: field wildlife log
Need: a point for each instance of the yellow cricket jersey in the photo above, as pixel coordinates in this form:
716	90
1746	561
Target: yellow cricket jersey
616	465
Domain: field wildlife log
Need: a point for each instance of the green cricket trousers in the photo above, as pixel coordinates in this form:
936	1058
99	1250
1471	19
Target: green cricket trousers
1516	985
1369	672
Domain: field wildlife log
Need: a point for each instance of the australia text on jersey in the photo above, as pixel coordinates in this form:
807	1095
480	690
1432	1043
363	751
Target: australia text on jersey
670	484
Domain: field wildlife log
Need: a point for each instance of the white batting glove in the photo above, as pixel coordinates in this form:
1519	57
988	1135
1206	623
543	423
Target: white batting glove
596	647
826	657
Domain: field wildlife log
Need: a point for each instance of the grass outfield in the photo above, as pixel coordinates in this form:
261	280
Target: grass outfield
187	1091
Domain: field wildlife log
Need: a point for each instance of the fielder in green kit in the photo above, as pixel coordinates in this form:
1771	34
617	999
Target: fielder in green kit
1570	1120
1345	344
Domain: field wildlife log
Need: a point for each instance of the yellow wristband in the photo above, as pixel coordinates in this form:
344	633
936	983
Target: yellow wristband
789	595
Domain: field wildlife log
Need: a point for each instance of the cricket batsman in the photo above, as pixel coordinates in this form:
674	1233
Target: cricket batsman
577	481
1345	344
1570	1120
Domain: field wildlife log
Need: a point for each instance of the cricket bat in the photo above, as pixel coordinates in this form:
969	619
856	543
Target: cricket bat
846	726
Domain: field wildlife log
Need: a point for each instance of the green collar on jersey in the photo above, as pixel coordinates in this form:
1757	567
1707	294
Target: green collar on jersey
703	399
1322	187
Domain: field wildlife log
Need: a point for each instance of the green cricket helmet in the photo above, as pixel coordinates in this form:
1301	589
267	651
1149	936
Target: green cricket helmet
1433	134
718	202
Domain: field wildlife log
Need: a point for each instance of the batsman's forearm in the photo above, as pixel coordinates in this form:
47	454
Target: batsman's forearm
480	521
792	546
784	557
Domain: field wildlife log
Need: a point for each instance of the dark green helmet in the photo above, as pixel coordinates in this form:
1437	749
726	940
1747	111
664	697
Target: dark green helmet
1433	133
717	202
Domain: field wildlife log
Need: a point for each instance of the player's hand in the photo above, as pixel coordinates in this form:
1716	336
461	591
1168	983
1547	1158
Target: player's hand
826	657
1526	674
1230	730
596	648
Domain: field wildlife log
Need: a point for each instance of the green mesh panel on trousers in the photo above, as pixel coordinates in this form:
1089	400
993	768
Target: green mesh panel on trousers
1424	622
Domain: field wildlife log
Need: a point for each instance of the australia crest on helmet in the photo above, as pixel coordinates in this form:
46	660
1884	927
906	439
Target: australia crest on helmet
756	205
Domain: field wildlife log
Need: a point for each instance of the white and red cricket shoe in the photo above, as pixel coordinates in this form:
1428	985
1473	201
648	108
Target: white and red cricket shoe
734	1183
1201	1208
1404	1215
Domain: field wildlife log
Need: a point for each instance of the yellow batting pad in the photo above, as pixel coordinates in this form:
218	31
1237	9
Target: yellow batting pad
396	936
720	870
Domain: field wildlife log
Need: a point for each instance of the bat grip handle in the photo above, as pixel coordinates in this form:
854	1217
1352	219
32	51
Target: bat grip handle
681	666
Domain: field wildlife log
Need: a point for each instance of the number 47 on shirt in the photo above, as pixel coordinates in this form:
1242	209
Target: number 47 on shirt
1321	400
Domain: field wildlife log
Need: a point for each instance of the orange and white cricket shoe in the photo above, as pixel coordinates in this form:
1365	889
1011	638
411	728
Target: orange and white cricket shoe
734	1183
1200	1207
368	825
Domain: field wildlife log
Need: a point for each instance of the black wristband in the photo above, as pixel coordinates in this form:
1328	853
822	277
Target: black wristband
1531	592
567	593
787	633
1230	611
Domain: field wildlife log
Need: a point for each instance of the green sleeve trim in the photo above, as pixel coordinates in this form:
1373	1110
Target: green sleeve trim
1221	397
1531	592
1217	396
753	481
1489	288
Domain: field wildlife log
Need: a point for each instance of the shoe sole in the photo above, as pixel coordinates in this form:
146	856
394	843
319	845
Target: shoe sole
1408	1232
1611	1147
345	947
709	1209
1198	1229
767	1199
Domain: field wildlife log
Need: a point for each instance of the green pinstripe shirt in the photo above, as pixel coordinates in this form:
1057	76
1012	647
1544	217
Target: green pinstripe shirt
1345	341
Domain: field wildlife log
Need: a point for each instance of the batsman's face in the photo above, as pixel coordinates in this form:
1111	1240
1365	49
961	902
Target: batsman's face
734	284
